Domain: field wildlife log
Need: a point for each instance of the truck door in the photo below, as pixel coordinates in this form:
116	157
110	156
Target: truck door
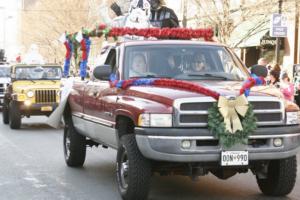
103	105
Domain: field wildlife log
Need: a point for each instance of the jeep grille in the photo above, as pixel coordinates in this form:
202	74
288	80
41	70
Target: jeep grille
192	112
45	96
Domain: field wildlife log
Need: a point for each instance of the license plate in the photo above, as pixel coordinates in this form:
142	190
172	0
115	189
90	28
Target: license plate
234	158
46	108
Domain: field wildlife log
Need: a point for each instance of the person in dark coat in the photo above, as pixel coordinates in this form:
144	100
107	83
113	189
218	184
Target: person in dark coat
162	16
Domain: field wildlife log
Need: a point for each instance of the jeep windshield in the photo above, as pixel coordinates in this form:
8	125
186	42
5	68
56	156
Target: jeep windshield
185	62
38	73
4	72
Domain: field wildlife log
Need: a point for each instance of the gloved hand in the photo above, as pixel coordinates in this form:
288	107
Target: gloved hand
116	8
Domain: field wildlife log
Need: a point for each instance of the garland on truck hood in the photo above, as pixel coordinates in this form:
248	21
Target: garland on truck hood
231	120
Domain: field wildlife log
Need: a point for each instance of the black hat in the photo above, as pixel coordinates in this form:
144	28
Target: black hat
259	70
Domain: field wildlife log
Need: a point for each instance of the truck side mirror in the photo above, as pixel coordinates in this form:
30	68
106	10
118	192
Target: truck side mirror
102	72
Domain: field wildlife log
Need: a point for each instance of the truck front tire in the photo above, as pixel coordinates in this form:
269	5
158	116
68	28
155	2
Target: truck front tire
133	170
14	115
281	177
5	113
74	145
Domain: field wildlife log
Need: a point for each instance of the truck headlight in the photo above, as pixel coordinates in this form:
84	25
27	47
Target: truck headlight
30	94
292	118
155	120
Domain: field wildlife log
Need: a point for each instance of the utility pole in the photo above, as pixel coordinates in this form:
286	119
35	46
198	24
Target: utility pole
277	50
296	60
184	17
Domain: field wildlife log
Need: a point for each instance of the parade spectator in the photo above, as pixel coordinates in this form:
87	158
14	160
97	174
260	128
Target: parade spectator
286	87
139	66
260	68
262	62
274	78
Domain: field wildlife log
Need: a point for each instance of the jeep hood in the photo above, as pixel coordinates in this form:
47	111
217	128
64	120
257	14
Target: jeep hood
36	84
167	95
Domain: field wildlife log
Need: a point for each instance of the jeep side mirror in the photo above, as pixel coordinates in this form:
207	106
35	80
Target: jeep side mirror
102	72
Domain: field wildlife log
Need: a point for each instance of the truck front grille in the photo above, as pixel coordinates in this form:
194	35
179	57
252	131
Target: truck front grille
45	96
193	112
1	88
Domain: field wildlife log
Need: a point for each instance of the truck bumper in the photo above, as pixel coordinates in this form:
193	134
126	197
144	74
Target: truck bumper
166	144
1	99
38	109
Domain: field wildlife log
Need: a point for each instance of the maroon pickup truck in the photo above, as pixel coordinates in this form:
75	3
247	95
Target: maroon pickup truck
164	129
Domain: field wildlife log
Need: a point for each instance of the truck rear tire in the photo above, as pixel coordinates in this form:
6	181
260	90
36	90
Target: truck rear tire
74	145
14	115
133	170
281	177
5	113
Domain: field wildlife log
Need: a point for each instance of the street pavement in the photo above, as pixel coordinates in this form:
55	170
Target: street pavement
32	167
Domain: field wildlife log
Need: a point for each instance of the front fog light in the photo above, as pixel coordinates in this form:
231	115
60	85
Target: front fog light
277	142
27	103
186	144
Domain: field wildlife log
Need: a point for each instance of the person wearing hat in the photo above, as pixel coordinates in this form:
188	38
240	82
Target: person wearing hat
260	68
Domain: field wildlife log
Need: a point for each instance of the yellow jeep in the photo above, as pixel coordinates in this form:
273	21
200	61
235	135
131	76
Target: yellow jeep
34	90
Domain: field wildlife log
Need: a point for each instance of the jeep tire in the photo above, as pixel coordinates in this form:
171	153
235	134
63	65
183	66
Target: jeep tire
133	170
74	145
281	177
5	113
14	115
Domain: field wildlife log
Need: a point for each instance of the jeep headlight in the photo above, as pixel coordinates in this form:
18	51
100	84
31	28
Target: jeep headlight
155	120
30	94
292	118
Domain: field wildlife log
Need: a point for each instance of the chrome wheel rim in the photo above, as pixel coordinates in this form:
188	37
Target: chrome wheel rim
124	170
67	144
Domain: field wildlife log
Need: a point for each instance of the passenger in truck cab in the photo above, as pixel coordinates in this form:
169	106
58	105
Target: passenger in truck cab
199	63
138	66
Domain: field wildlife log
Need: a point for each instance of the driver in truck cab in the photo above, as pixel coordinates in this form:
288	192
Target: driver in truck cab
139	66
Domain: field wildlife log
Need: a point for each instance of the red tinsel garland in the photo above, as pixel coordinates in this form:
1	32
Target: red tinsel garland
83	49
167	83
187	86
160	33
251	82
68	48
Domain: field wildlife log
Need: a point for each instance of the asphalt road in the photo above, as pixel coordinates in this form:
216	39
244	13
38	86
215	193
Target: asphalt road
32	167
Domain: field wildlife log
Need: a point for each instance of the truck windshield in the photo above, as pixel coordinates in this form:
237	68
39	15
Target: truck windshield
4	72
185	62
38	73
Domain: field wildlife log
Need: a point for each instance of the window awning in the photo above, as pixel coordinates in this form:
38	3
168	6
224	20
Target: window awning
249	33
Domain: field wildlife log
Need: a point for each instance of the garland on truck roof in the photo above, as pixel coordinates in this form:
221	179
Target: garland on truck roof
230	120
81	39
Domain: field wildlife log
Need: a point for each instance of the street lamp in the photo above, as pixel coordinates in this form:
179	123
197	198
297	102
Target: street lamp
277	49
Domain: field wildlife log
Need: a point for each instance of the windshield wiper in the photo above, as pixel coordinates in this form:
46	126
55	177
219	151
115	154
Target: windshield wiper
210	76
151	76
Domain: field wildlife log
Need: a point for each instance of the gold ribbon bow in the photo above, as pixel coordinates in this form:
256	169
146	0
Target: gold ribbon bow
230	108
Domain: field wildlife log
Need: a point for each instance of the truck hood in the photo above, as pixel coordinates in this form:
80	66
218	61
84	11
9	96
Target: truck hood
4	80
167	95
